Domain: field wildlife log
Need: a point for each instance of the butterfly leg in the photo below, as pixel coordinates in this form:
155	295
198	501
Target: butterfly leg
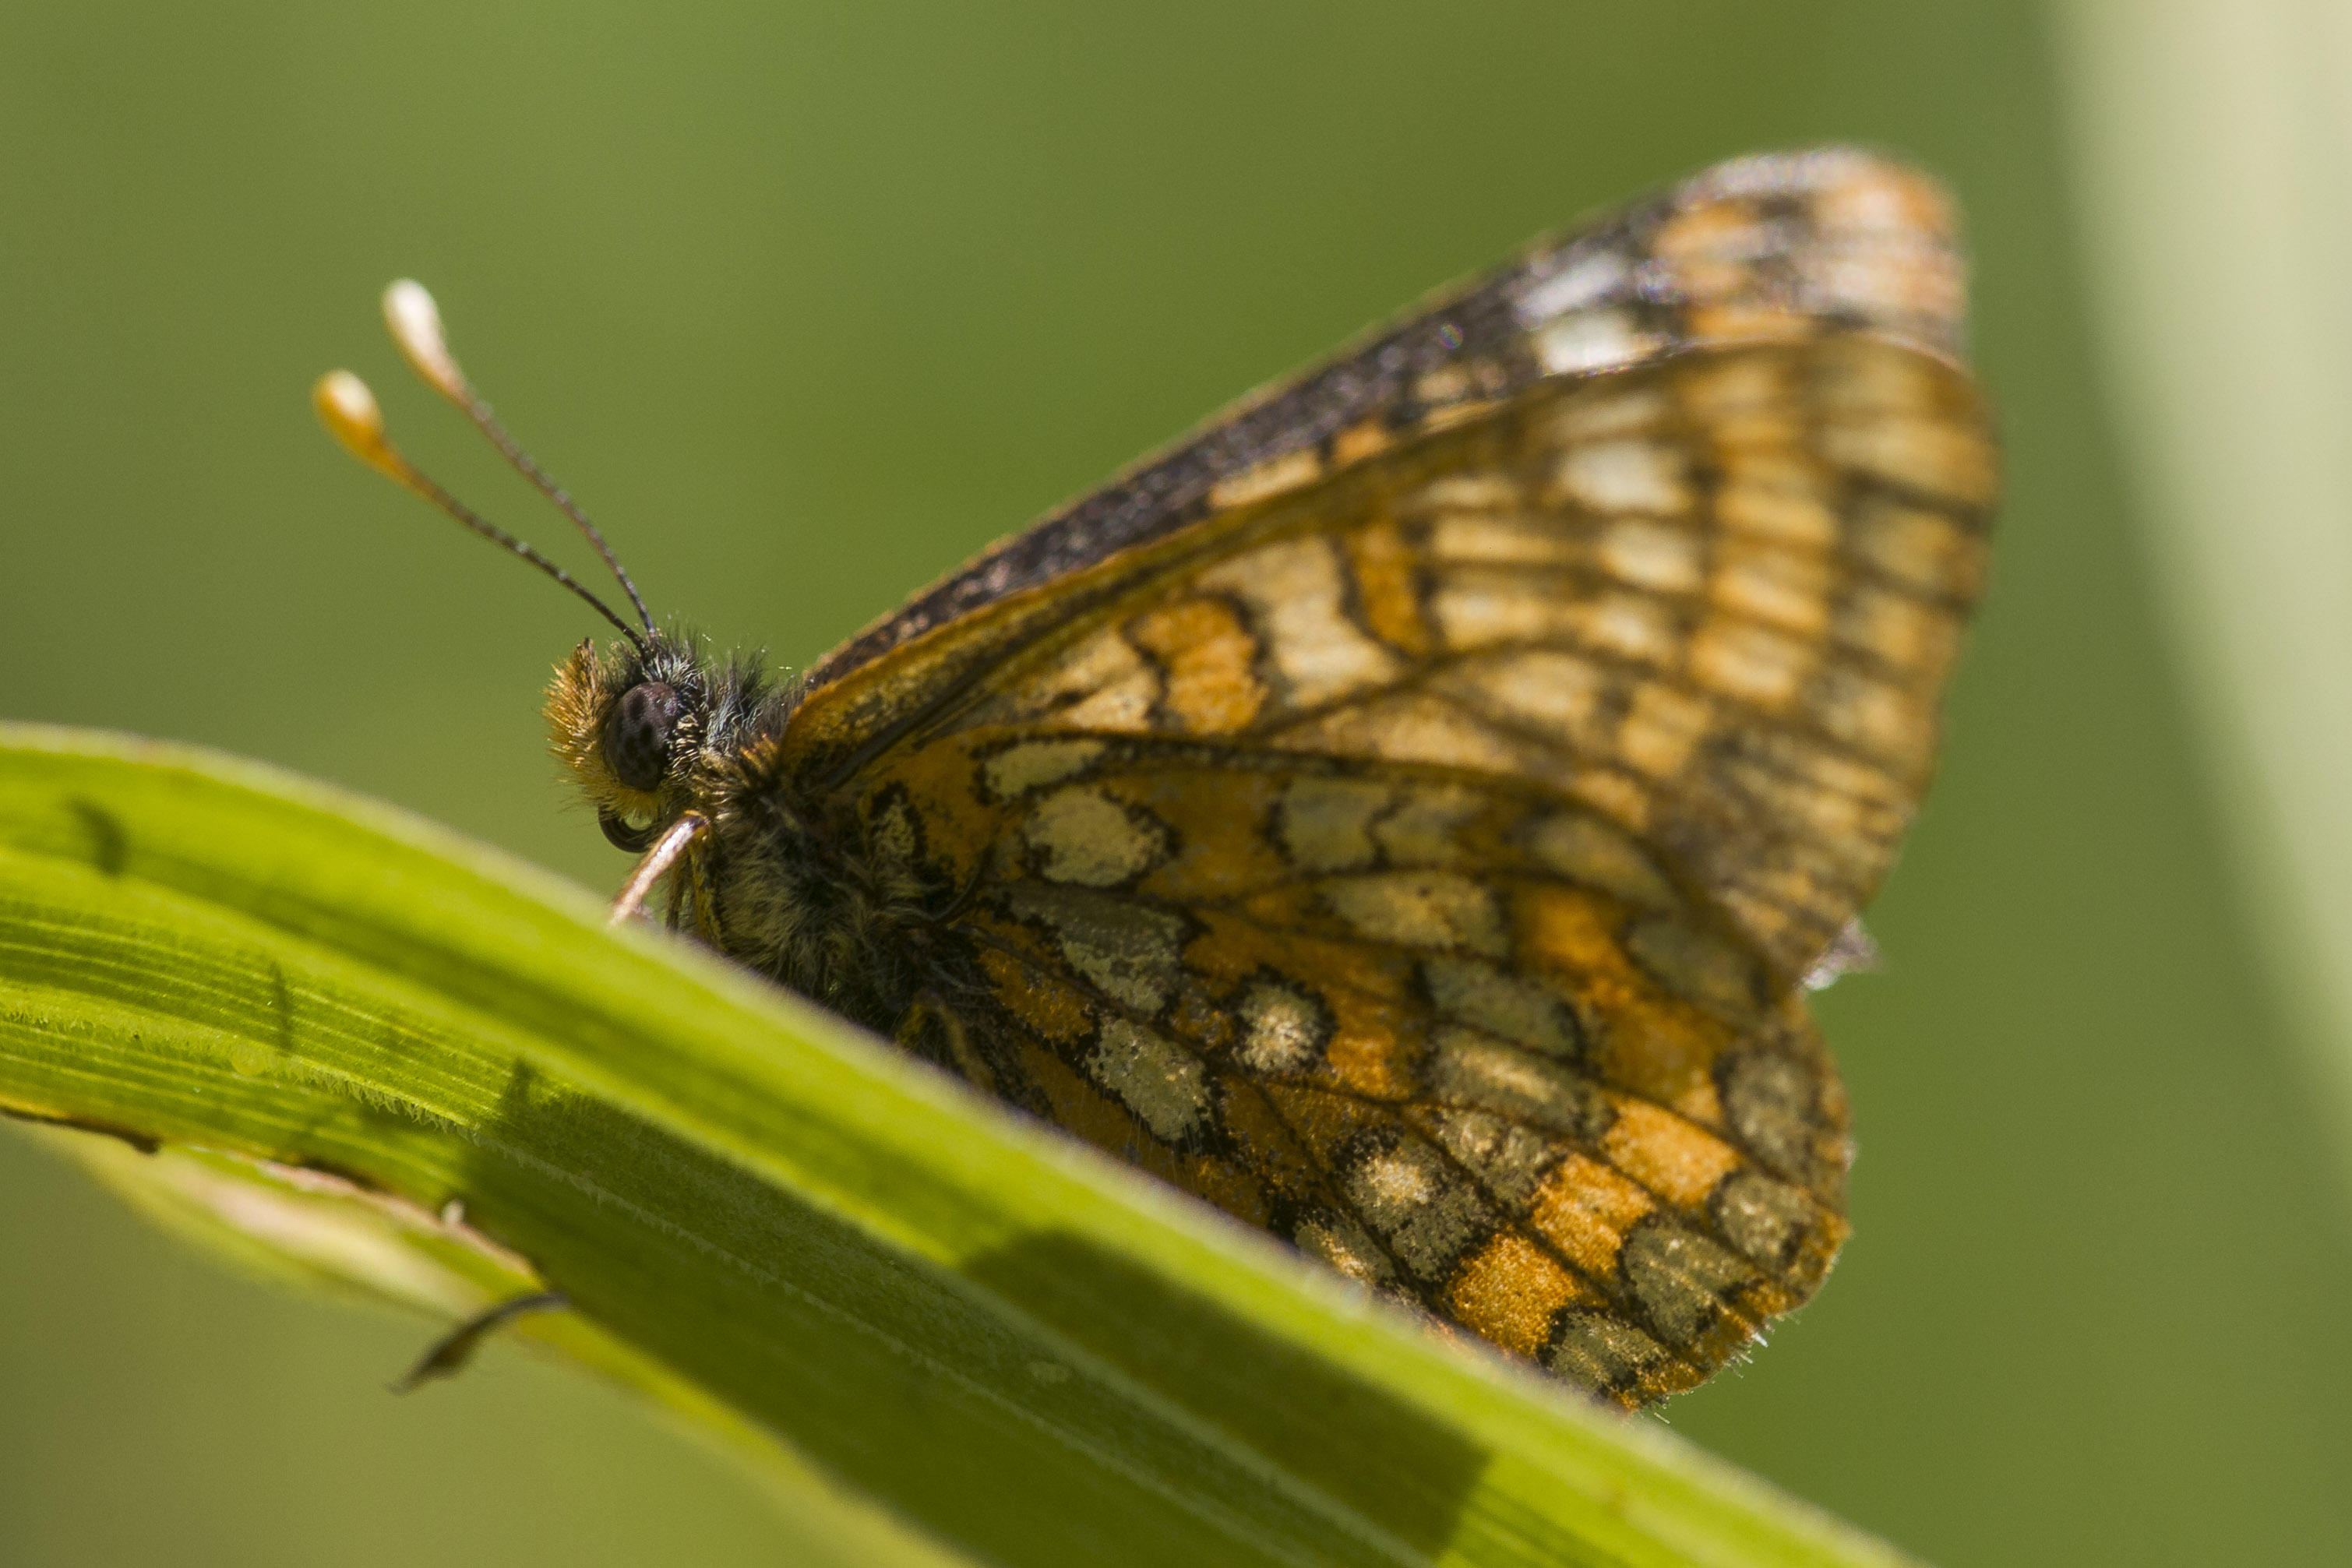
449	1355
931	1029
706	908
674	840
693	890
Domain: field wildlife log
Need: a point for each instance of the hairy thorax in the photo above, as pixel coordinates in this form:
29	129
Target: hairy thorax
799	894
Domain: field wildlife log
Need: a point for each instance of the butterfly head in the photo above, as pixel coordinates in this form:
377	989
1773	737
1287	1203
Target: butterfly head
635	723
645	729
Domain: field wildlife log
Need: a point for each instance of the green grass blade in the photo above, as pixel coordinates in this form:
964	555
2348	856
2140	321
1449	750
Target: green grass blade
765	1217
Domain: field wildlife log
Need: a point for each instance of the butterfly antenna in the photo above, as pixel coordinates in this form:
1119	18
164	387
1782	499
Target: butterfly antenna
414	322
350	411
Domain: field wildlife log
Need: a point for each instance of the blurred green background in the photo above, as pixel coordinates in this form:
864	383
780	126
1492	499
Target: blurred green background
807	304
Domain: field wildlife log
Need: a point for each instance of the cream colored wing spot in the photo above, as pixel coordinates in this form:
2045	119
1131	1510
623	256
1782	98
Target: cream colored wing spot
1659	556
1474	611
1131	953
1449	384
1101	684
1284	1030
1424	1209
1661	729
1417	726
1473	1071
1576	287
1480	608
1295	592
1522	1011
1479	540
1433	909
1509	1160
1537	686
1632	627
1030	765
1347	1247
1772	1103
1591	852
1079	834
1592	340
1167	1086
1873	717
1784	589
1766	1220
1288	472
1325	824
1680	1278
1924	550
1602	413
1625	476
1750	663
1780	502
1696	967
1918	639
1467	493
1424	828
1603	1352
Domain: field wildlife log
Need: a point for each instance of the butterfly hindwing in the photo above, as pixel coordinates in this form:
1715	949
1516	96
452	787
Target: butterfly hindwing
1402	814
1464	1039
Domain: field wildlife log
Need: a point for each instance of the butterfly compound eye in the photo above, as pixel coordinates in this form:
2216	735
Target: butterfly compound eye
638	735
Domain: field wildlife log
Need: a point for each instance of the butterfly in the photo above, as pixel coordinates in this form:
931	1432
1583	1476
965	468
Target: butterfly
1404	813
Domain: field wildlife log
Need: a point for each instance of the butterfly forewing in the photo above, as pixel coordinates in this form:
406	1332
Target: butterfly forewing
1772	248
1402	814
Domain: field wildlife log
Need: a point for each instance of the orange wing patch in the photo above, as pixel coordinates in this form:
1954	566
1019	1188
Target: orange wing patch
1417	854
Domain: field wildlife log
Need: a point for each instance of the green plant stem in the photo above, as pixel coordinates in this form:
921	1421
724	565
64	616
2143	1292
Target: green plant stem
1033	1354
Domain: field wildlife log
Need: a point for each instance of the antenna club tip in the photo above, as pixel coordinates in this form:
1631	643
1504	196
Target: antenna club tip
414	322
350	412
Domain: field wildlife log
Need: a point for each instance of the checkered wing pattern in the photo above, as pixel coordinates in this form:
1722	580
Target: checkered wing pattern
1413	842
